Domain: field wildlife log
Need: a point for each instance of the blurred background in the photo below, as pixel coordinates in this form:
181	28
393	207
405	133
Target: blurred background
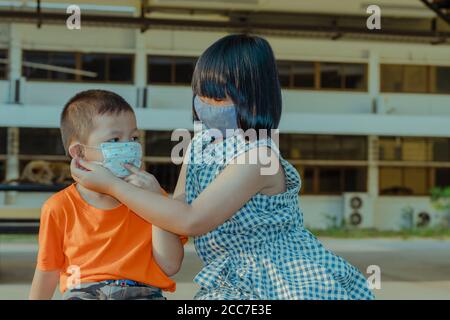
366	117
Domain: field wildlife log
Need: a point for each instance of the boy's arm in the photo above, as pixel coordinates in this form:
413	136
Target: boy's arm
44	284
167	250
50	259
168	247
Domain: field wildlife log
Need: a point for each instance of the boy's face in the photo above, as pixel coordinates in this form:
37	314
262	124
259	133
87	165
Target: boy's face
109	128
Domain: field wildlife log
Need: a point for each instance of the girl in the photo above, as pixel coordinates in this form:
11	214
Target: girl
248	227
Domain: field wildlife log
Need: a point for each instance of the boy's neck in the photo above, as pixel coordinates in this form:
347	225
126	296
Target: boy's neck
96	199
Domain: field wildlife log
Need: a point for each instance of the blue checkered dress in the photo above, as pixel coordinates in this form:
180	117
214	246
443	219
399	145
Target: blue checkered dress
263	251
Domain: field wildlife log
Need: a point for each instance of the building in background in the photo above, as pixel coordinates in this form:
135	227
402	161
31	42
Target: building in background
366	114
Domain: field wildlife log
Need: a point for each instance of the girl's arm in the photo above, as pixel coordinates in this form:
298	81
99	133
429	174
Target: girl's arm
234	187
44	285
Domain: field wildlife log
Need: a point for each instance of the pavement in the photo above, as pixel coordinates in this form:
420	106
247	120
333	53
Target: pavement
410	269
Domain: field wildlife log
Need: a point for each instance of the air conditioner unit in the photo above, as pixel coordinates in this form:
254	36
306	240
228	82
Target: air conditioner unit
358	210
226	2
430	219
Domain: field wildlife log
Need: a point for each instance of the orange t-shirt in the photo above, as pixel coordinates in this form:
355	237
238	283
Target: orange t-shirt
103	244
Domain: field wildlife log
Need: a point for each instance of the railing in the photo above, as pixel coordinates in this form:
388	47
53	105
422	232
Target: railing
32	187
24	225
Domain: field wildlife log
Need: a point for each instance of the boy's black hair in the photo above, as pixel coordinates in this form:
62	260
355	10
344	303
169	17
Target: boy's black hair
243	68
78	113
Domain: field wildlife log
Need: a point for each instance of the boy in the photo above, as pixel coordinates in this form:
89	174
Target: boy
95	246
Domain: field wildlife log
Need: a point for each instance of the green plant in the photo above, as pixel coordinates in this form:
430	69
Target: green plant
440	199
334	221
407	218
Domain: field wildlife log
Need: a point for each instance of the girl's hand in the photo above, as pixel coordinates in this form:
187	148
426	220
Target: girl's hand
142	179
92	176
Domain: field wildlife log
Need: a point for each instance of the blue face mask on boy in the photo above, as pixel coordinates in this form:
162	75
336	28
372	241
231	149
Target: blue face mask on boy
214	117
116	154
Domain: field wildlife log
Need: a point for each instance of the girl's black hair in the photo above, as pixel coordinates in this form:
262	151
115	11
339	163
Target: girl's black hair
243	68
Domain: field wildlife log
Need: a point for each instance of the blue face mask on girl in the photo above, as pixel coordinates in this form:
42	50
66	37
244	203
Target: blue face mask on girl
214	117
116	154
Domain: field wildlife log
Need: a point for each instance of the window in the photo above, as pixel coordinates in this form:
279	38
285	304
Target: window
303	74
159	144
322	75
442	177
3	140
404	181
390	149
298	146
328	147
414	149
158	149
323	147
307	178
2	170
329	180
416	179
354	179
184	68
332	180
94	63
404	78
44	58
415	79
3	64
331	75
170	70
166	174
284	74
354	76
107	67
3	150
40	142
343	76
442	79
159	70
441	149
62	59
120	67
391	181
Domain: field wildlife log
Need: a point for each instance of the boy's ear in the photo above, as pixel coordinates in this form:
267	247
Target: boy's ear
76	150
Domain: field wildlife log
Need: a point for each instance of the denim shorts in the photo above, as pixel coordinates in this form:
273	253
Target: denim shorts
111	291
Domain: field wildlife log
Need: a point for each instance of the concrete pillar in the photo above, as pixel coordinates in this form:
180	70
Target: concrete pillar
374	82
15	60
372	174
140	66
12	162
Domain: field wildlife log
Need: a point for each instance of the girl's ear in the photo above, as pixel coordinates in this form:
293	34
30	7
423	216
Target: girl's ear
76	150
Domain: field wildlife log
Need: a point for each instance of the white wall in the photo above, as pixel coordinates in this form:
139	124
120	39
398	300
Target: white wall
4	91
327	102
4	34
58	37
170	97
25	200
57	93
388	210
316	209
180	97
416	104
